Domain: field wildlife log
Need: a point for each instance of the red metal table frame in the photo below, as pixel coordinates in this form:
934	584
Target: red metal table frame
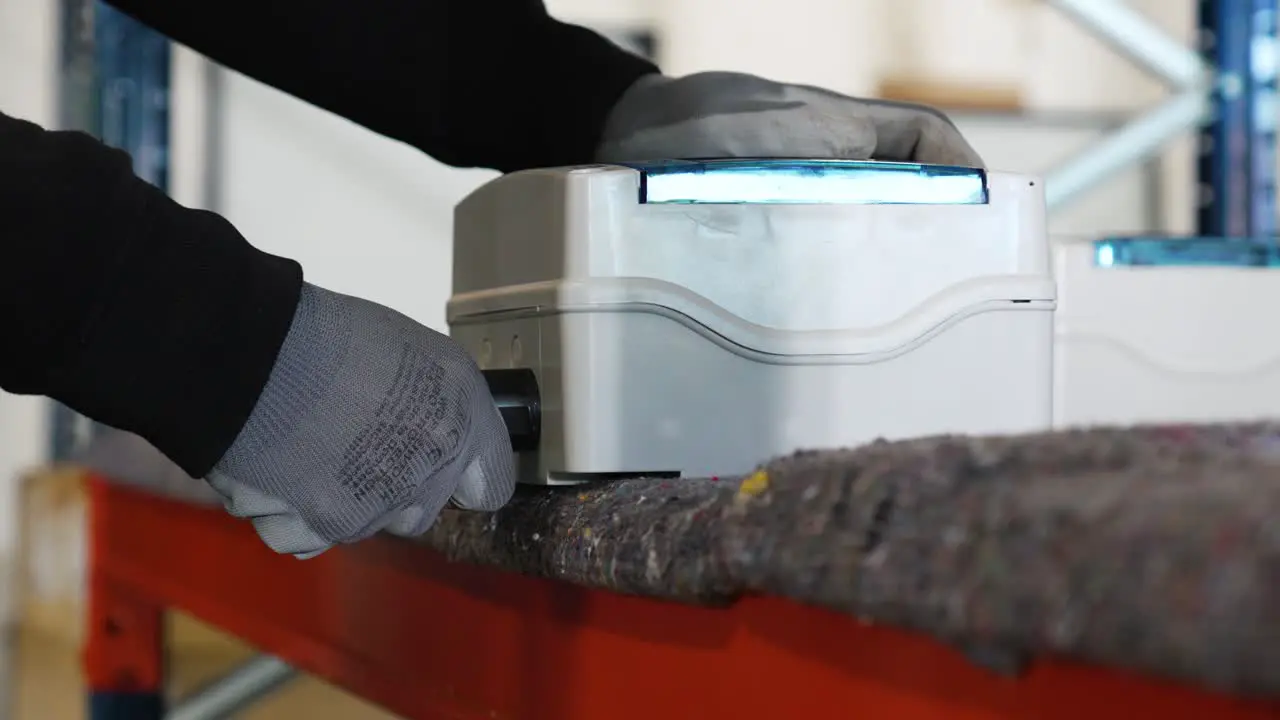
397	624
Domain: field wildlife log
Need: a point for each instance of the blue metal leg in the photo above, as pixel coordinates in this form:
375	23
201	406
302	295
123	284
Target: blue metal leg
125	706
1265	55
1238	147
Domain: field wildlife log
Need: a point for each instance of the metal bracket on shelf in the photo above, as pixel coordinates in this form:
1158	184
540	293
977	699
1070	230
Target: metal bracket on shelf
235	691
1227	88
1139	39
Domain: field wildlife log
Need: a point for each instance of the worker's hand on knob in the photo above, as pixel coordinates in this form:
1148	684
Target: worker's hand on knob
368	422
723	114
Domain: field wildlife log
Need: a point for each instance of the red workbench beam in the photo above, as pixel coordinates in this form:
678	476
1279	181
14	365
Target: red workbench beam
400	626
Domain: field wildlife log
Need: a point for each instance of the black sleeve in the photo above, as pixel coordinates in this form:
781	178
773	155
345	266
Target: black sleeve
127	307
473	83
164	321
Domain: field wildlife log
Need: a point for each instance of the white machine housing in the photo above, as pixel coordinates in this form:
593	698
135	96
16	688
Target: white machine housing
703	338
1158	342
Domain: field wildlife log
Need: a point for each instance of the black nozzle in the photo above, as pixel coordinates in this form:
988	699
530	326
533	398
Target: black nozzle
515	392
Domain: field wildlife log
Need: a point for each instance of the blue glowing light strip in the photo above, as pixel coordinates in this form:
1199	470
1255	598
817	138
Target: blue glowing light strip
809	182
1186	252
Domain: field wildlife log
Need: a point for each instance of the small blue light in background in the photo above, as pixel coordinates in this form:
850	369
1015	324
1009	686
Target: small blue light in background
1187	251
740	181
1106	254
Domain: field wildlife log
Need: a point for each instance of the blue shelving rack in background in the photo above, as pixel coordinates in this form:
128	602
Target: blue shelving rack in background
1237	160
114	85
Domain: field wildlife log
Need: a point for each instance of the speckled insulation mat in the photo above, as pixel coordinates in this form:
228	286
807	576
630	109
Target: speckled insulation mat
1153	549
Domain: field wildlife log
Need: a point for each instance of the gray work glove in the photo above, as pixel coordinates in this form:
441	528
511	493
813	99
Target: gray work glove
368	422
724	114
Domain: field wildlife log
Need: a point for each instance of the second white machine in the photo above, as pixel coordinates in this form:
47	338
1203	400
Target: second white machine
697	318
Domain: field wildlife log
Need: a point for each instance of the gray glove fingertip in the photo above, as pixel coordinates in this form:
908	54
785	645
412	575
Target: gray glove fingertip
417	518
489	480
276	524
942	144
483	491
956	151
243	501
410	522
288	535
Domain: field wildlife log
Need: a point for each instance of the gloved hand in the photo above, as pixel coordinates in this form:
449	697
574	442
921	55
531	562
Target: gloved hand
369	422
724	114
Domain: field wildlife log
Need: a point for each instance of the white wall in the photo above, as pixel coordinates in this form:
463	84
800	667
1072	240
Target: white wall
365	215
28	32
